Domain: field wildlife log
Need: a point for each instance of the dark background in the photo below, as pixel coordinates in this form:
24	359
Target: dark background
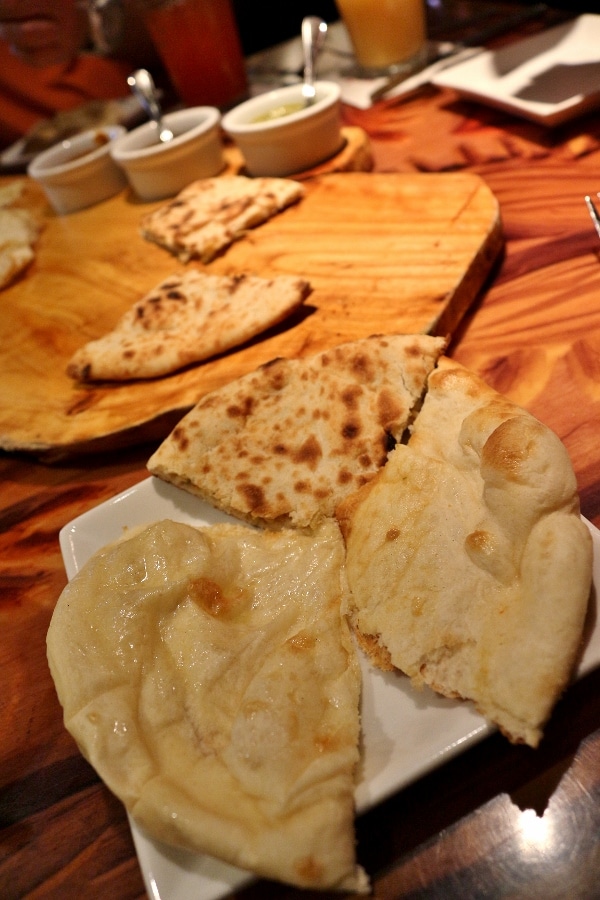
263	23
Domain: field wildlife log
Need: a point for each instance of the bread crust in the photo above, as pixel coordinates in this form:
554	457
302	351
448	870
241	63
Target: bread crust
189	317
210	214
210	678
467	558
19	231
283	445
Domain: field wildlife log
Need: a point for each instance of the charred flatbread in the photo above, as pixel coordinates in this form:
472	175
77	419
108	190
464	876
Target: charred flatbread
468	563
209	677
209	215
189	317
284	444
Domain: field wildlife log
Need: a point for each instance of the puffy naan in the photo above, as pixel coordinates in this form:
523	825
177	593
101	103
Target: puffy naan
209	677
467	560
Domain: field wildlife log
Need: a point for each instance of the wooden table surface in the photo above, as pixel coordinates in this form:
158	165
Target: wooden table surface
497	820
411	273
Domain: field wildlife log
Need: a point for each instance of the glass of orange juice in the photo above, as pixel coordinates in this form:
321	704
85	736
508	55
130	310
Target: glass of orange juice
387	35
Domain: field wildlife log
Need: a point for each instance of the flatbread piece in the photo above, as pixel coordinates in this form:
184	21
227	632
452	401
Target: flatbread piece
210	214
19	231
189	317
284	444
209	677
468	563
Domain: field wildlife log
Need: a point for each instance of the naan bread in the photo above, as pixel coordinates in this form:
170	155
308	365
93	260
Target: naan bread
468	563
210	679
209	215
189	317
19	230
284	444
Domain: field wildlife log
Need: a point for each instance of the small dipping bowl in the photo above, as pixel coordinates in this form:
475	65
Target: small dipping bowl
279	135
79	171
156	170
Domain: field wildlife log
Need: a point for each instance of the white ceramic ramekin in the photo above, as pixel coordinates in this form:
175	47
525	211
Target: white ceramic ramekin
293	142
157	170
79	172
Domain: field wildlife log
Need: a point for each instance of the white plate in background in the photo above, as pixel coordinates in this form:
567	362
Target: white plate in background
406	732
126	111
548	78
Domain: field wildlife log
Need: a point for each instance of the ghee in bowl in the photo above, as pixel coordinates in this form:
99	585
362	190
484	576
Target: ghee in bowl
279	135
278	112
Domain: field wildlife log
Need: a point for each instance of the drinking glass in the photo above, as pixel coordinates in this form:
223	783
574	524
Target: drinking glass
200	46
387	35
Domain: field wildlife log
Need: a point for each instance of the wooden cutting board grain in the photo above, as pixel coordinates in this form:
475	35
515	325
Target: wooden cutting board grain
383	252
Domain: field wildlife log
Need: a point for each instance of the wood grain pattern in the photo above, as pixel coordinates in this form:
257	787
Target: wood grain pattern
383	252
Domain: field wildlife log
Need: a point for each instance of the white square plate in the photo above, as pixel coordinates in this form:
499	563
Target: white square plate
548	78
406	732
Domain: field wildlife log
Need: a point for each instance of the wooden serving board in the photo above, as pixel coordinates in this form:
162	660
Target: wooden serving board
384	253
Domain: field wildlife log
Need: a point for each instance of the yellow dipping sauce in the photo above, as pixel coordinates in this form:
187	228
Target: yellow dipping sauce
278	112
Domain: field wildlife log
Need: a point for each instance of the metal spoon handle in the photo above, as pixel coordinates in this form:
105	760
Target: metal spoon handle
313	31
142	85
